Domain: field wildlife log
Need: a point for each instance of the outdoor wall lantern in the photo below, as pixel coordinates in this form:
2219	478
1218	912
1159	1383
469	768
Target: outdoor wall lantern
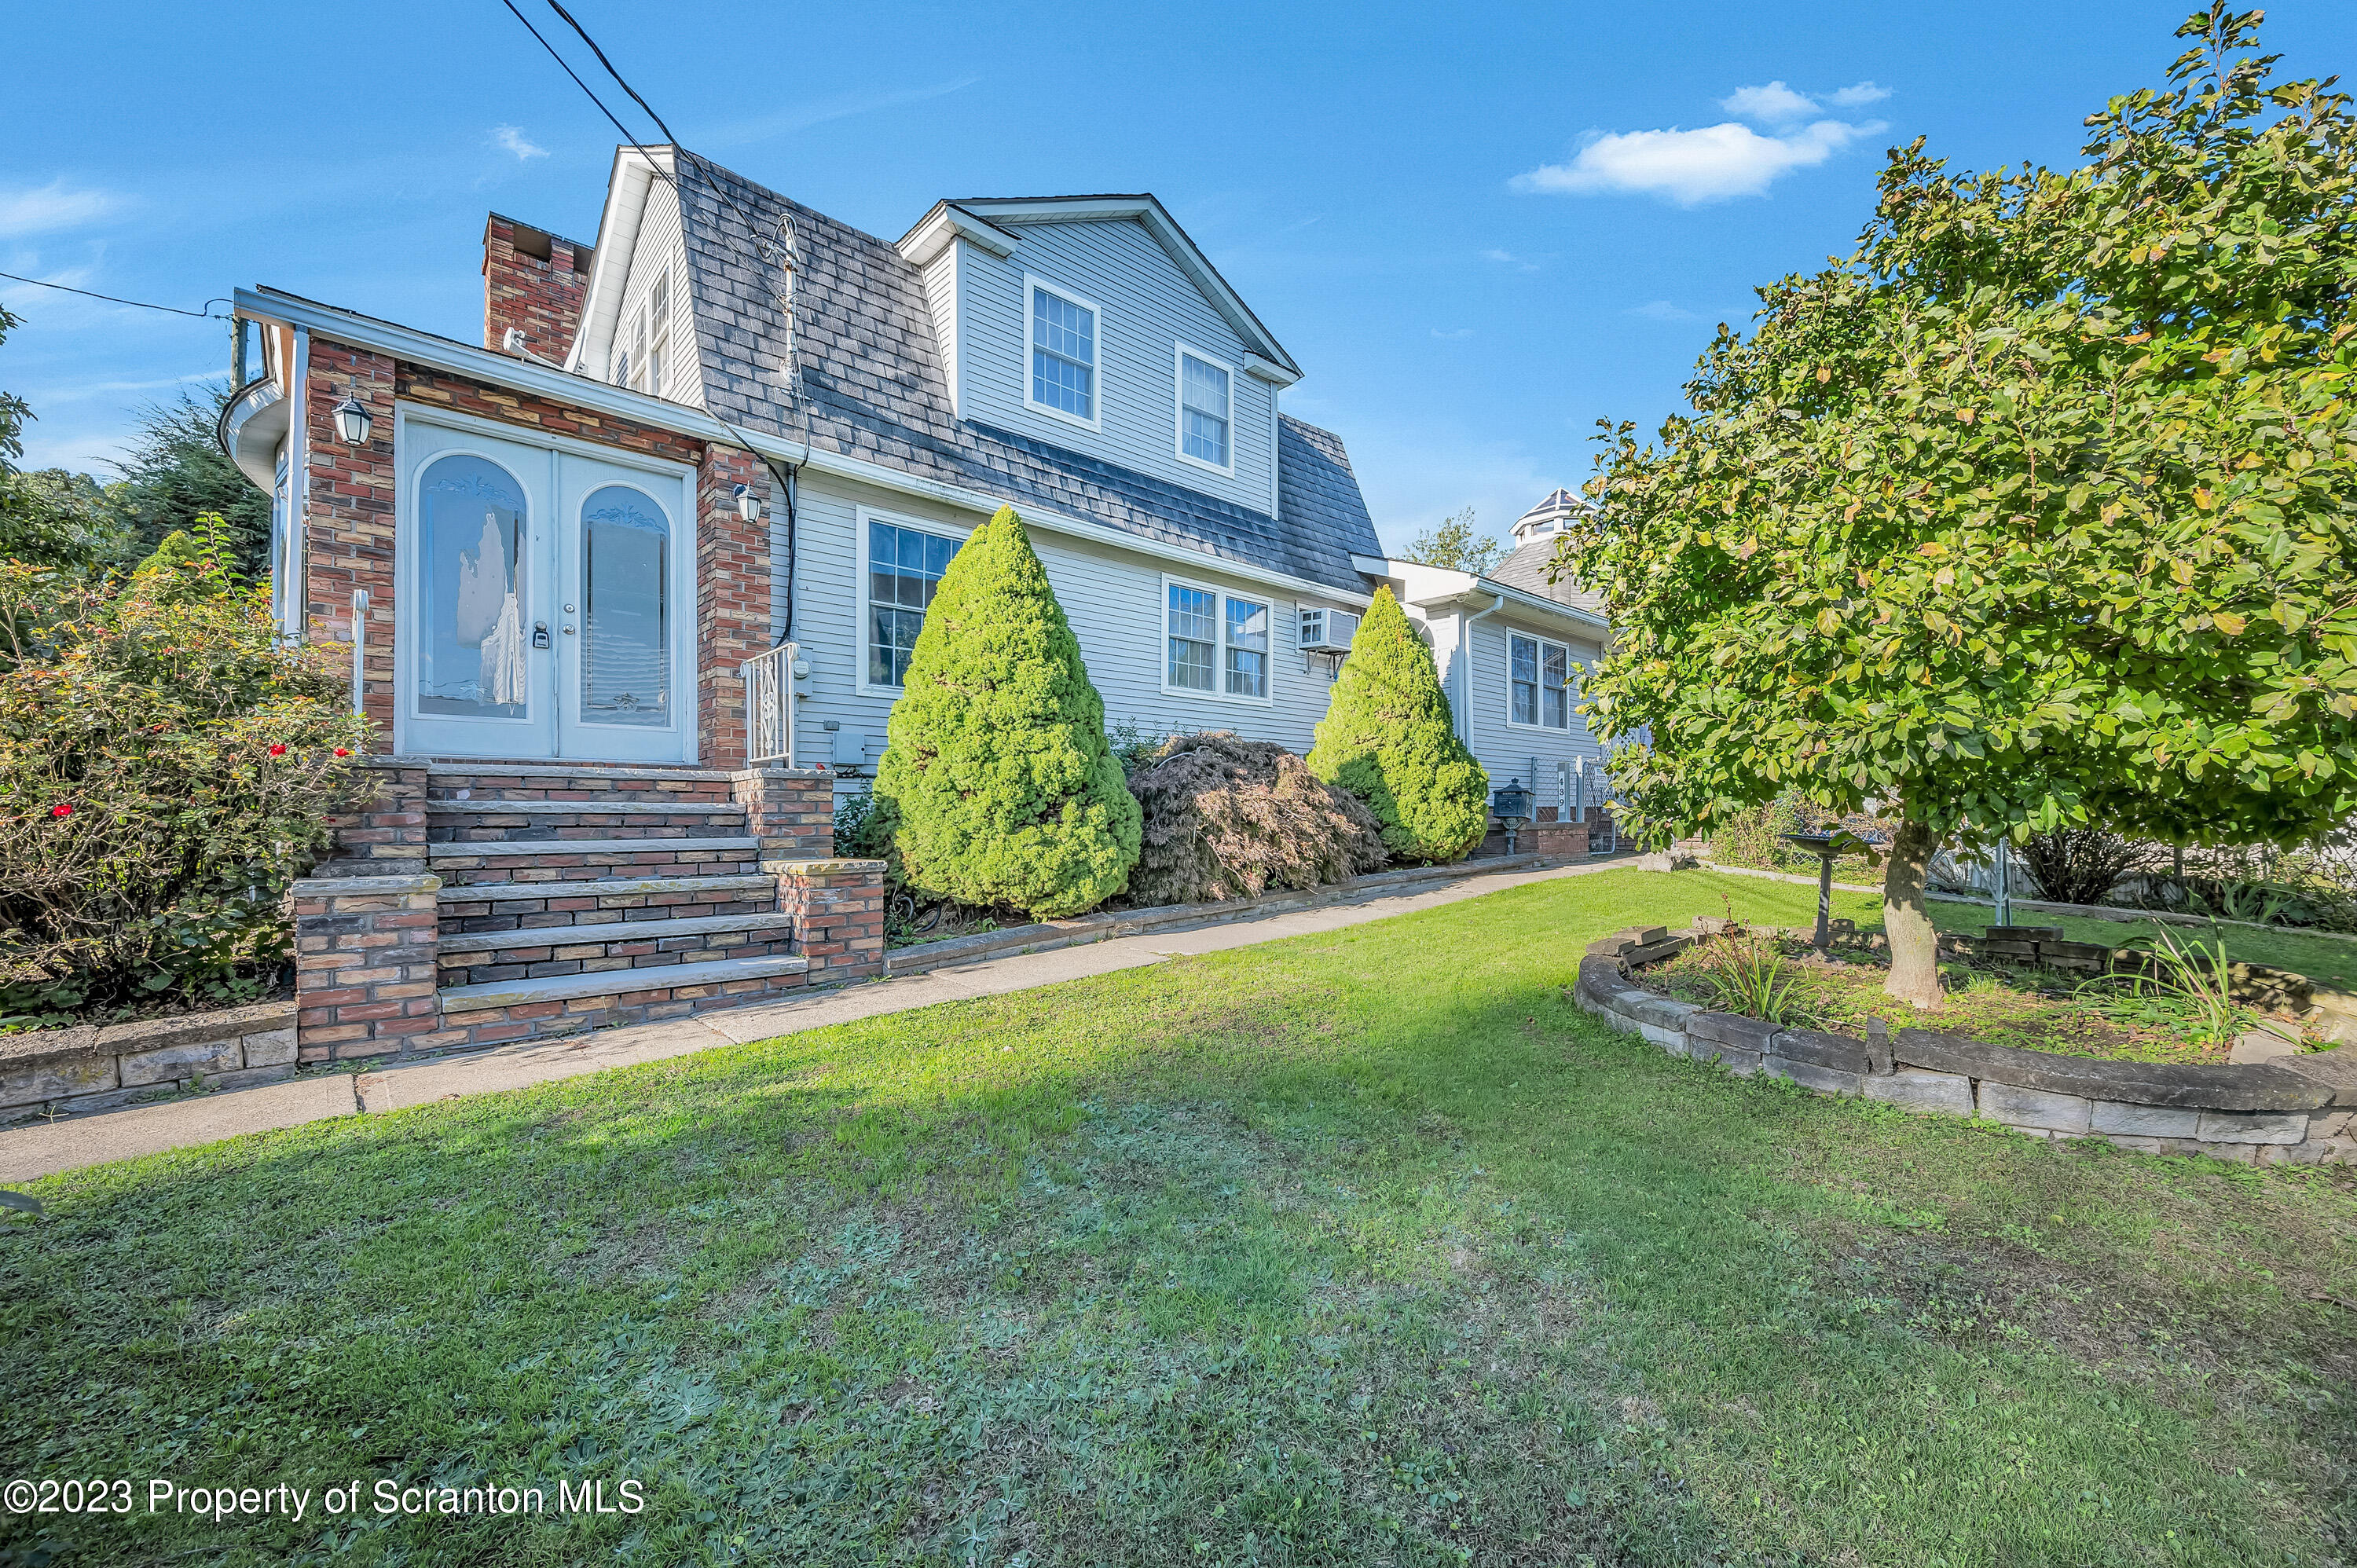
352	421
748	505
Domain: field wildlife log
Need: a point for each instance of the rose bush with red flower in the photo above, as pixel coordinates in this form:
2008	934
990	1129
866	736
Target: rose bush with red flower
168	766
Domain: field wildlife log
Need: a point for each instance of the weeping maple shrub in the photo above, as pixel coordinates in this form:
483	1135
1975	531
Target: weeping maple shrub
997	768
168	766
1388	738
2037	511
1230	817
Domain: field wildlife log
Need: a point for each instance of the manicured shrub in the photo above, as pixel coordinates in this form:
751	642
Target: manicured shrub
997	765
166	766
1387	737
1227	817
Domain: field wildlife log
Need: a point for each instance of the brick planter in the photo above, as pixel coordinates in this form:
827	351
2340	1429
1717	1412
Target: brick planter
2294	1111
68	1071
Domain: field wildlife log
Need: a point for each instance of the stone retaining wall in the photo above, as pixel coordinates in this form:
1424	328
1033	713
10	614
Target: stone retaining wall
2294	1111
92	1068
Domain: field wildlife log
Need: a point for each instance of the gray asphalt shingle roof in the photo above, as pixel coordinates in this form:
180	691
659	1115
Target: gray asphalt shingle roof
1526	569
876	390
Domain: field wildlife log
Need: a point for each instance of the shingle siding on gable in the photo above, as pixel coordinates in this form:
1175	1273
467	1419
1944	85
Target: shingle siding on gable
1149	307
875	388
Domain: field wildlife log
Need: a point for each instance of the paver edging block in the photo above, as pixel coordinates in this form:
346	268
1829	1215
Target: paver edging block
2295	1111
67	1072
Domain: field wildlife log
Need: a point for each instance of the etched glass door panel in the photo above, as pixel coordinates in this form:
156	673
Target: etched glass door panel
473	655
626	610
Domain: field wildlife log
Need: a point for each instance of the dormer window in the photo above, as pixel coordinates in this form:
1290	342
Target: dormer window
1064	337
1204	409
658	328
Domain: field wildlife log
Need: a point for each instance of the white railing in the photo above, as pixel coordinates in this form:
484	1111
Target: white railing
769	706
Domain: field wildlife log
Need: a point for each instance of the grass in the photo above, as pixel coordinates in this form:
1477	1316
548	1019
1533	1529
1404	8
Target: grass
1363	1247
2331	959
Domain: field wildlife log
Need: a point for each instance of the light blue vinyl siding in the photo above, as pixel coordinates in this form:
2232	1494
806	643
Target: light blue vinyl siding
1146	308
1508	749
1113	597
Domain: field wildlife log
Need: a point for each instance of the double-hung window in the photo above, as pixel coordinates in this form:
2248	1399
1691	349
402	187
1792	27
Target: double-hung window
1204	411
1064	346
904	570
657	330
1538	678
1216	643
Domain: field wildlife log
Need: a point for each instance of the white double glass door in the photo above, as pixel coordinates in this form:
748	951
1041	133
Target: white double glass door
547	603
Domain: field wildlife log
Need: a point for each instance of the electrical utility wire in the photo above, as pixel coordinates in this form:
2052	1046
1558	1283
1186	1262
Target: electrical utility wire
201	315
791	264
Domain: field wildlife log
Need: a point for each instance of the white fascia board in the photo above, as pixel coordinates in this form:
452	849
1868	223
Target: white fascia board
1260	368
628	188
1438	589
948	222
644	408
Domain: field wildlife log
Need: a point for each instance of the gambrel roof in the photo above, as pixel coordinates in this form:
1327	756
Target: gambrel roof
876	388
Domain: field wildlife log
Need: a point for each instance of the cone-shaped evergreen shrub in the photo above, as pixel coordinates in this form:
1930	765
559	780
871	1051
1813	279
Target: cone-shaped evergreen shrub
997	765
1387	739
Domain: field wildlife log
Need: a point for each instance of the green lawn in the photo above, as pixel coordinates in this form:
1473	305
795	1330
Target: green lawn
2330	960
1361	1248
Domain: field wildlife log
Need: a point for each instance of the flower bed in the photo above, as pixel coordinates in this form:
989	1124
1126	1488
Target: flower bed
2294	1111
2008	993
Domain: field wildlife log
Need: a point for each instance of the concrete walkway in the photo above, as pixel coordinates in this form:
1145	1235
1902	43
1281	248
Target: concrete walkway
70	1144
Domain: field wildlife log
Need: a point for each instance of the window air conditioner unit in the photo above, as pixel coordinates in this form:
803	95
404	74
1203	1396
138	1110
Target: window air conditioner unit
1328	631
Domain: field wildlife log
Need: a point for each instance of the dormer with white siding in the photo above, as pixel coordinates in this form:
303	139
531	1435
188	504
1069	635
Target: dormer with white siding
1092	323
638	327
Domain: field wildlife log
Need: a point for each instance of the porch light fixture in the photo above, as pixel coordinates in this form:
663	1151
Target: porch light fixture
748	505
351	421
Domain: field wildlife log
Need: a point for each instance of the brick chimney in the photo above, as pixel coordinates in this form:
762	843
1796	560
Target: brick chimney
533	284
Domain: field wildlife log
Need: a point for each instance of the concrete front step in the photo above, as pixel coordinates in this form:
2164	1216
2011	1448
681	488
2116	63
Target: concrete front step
511	849
527	1006
612	931
604	887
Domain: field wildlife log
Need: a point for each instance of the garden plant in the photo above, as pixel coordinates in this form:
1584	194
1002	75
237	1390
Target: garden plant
1388	738
997	773
167	765
2039	510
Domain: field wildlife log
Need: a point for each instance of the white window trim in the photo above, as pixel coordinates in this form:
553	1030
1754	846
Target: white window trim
1572	669
1032	283
862	516
1180	355
1220	600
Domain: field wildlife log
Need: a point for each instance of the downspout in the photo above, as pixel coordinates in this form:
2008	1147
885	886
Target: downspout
1464	668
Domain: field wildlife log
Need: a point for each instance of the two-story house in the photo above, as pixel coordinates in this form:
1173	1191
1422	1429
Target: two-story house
682	512
557	564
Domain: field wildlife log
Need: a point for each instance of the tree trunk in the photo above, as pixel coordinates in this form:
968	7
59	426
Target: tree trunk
1914	945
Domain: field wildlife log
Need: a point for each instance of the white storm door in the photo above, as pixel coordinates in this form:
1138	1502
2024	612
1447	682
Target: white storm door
473	560
624	613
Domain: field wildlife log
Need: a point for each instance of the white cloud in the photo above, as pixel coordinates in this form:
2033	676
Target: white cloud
1456	337
1662	310
510	138
39	209
1709	164
1508	259
1857	96
1774	105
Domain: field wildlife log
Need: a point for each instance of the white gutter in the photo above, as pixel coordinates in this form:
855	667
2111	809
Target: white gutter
644	408
1464	668
1521	599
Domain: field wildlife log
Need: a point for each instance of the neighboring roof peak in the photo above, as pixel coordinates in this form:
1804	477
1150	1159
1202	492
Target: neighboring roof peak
1549	516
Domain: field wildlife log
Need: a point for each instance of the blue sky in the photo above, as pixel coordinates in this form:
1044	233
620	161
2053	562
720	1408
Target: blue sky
1469	225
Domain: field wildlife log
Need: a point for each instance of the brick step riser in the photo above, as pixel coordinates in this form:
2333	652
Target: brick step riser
537	1020
538	963
458	915
539	830
557	867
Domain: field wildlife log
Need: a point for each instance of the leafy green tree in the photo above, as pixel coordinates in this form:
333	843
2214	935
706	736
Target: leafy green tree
1388	738
174	472
2038	509
1455	547
49	518
997	766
